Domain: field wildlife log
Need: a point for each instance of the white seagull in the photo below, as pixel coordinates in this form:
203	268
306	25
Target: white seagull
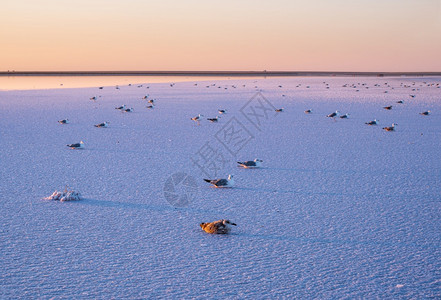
212	120
334	114
374	122
79	145
426	113
391	128
222	183
122	107
197	118
222	111
257	163
104	124
64	121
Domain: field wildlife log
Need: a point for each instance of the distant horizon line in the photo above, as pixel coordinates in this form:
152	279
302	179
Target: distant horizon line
213	73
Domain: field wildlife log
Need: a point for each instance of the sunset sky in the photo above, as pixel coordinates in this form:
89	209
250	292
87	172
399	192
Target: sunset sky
302	35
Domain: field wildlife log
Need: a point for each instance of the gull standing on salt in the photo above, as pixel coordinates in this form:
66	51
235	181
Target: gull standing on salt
426	113
257	163
345	116
391	128
104	124
197	118
64	121
222	111
374	122
334	114
122	107
79	145
222	183
308	111
213	120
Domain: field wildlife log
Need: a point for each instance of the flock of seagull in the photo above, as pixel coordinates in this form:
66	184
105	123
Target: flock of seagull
105	124
224	226
337	114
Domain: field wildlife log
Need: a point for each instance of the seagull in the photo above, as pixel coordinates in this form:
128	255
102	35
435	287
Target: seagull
150	106
145	97
212	120
105	124
388	107
279	109
251	163
392	128
426	113
122	107
151	101
222	111
197	118
374	122
79	145
64	121
400	101
345	116
412	96
334	114
94	98
129	109
221	183
217	227
308	111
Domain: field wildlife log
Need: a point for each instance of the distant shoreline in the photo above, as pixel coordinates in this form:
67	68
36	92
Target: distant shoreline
217	73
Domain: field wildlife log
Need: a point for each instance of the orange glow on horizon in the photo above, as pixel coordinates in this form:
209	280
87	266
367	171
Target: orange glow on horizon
319	35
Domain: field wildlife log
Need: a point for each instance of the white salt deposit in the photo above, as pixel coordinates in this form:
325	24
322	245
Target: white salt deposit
66	195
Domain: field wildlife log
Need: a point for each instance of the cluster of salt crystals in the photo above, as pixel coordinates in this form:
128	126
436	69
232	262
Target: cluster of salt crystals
64	196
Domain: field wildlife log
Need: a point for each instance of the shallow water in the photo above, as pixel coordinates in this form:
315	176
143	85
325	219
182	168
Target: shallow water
59	82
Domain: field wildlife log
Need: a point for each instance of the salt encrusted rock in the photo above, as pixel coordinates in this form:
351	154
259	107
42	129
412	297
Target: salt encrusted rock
64	196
